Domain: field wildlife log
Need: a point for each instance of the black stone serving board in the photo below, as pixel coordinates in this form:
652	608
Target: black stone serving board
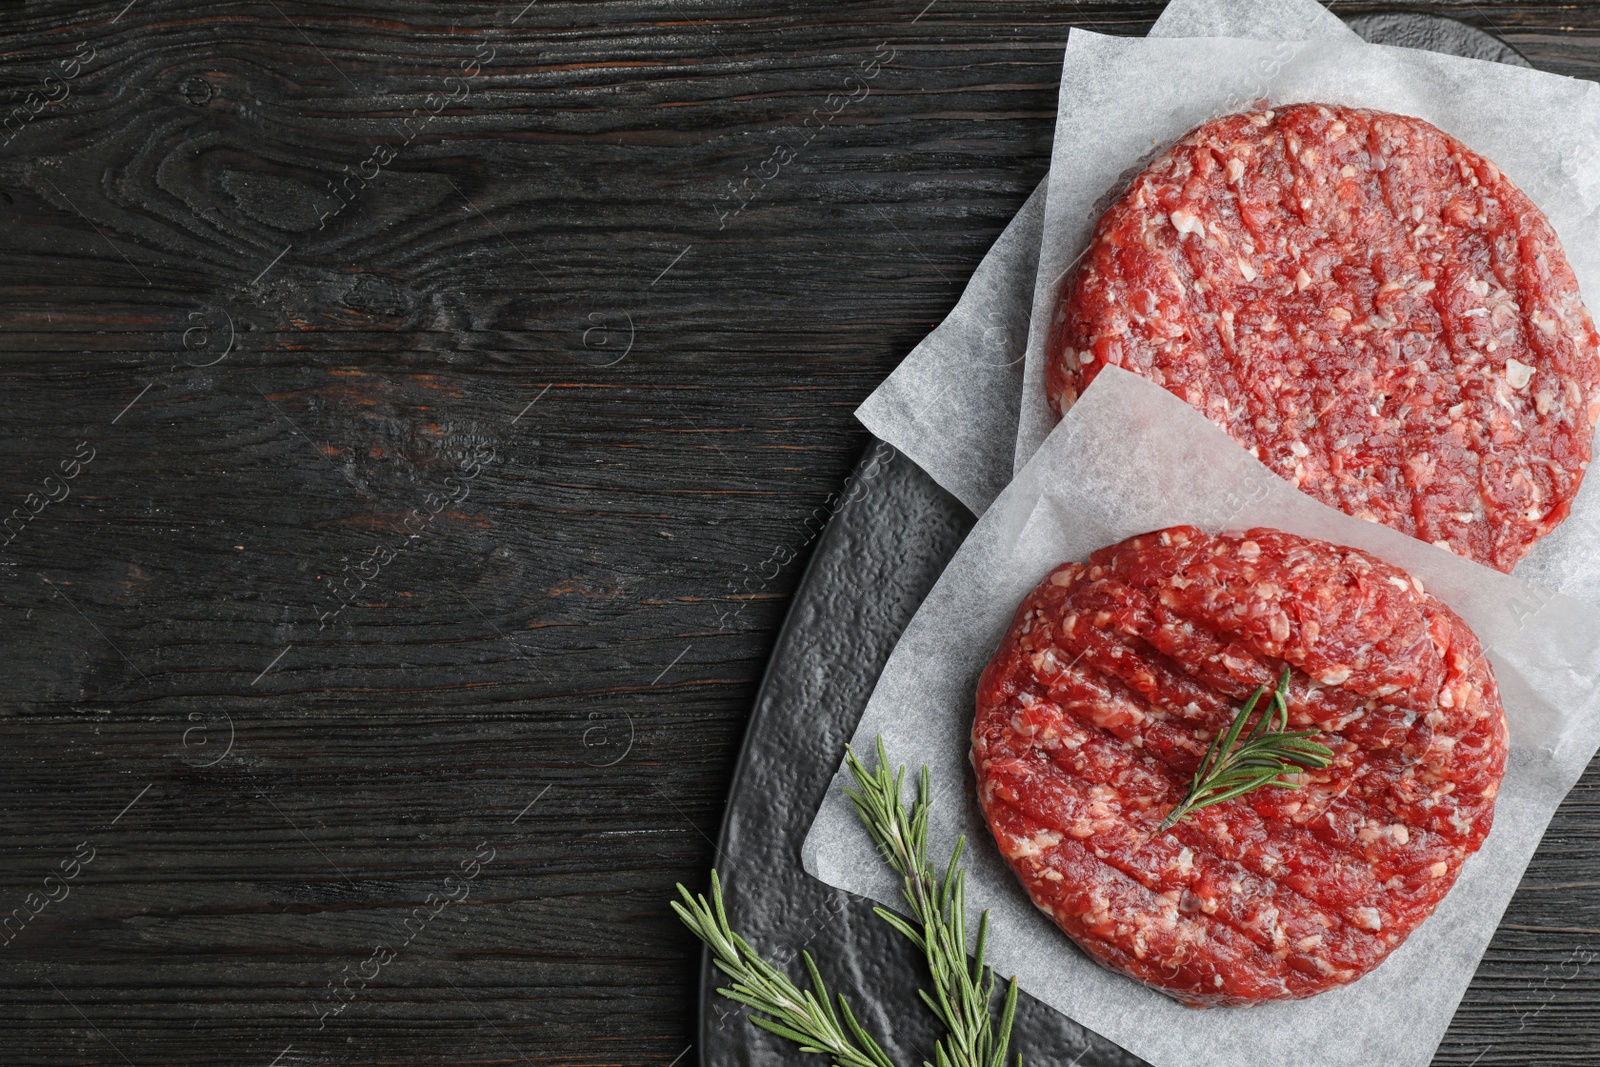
876	561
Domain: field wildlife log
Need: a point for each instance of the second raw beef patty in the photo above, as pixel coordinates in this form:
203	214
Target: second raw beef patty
1375	311
1111	683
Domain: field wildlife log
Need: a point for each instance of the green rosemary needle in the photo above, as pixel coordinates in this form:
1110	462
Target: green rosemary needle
963	992
805	1017
1233	767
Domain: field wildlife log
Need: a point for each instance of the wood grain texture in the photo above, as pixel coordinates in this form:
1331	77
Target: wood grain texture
543	268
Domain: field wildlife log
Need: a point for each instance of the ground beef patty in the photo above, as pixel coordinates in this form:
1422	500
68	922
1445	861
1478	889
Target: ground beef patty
1372	309
1115	676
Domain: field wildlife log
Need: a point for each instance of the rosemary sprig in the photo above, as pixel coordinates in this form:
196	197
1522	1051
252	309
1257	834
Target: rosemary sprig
1233	767
962	991
805	1017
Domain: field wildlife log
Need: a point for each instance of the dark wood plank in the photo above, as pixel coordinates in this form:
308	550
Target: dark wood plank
591	618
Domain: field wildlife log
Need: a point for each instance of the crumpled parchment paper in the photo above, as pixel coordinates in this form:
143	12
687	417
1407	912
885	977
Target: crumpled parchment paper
1542	130
1130	457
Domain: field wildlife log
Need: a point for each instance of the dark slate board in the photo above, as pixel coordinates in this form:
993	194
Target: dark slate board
879	556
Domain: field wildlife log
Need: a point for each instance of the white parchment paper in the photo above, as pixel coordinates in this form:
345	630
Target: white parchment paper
1543	130
953	404
1129	458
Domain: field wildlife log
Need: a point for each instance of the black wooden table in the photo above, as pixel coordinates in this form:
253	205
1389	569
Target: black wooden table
415	420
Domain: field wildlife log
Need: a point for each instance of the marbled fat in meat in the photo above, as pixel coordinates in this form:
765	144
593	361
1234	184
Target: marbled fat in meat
1374	310
1116	675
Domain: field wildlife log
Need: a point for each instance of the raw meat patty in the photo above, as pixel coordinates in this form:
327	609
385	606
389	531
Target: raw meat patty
1372	309
1114	677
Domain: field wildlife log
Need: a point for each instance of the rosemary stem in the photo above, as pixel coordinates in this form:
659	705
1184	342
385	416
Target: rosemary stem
1240	761
961	993
962	990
